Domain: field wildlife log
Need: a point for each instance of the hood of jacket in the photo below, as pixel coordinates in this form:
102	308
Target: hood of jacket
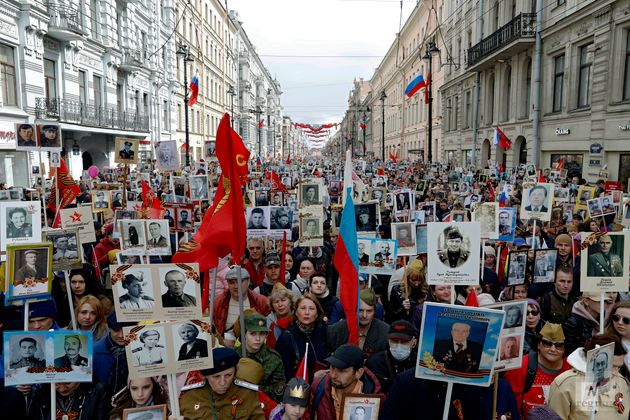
577	360
580	309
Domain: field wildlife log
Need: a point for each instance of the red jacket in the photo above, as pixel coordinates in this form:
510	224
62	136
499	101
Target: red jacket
222	305
256	277
102	248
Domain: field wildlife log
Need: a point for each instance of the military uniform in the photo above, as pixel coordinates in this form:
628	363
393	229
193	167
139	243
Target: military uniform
143	356
142	302
26	272
169	300
454	260
64	254
28	362
605	265
273	379
64	361
24	232
235	403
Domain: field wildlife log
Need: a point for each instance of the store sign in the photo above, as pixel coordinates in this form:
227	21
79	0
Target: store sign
562	131
7	135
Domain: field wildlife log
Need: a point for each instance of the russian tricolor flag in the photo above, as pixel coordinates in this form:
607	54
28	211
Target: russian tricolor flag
347	261
194	91
415	85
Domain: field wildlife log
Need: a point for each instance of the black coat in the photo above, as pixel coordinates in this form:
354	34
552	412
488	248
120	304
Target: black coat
577	330
199	349
292	344
386	368
91	403
444	351
376	338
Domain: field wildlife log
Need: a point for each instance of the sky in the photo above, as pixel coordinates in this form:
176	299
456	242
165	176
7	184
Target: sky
354	34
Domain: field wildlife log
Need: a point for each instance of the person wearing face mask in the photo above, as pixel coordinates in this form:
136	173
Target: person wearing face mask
399	356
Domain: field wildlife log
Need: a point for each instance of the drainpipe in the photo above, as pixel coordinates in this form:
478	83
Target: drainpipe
537	85
477	93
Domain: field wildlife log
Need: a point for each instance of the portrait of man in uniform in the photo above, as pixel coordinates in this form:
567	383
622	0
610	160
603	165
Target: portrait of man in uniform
175	297
126	152
49	136
505	222
72	357
25	135
28	347
156	239
34	268
63	249
454	255
605	263
458	354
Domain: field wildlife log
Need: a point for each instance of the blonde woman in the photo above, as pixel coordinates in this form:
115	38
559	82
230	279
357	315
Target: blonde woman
90	315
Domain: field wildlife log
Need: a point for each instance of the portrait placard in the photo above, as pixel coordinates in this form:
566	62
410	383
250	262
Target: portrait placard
25	137
537	202
199	187
156	291
168	347
361	406
133	236
584	194
167	158
152	412
429	210
49	137
517	264
405	235
20	222
458	344
29	272
183	218
310	193
80	218
157	237
512	339
487	214
377	256
457	248
604	261
100	200
311	229
258	220
67	250
126	150
545	265
402	203
281	220
599	371
507	223
47	356
367	216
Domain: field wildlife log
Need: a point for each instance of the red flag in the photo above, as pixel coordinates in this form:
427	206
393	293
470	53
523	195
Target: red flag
362	126
289	159
380	171
283	264
501	140
302	369
276	183
491	195
261	124
427	88
151	205
541	177
393	157
560	165
68	191
471	300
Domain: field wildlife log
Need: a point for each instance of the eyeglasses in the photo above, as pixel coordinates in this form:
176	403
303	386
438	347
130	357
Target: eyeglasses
535	313
548	344
618	318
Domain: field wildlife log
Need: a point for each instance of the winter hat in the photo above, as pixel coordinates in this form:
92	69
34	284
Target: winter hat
563	239
534	303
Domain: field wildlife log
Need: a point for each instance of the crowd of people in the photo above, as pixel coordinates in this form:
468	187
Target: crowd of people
296	361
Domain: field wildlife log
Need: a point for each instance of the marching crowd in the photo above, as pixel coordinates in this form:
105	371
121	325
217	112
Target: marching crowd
296	362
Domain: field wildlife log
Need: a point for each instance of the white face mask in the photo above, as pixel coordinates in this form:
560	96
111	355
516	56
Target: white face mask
400	351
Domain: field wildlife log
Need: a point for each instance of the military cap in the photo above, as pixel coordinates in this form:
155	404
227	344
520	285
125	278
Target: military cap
223	358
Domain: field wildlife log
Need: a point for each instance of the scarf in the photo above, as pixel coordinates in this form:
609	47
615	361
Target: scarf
120	372
305	329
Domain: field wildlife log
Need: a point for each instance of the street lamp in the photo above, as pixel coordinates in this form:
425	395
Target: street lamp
231	92
184	51
258	111
428	56
383	97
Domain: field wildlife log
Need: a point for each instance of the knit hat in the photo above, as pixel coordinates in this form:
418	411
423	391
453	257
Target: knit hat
488	250
368	296
563	239
43	309
534	303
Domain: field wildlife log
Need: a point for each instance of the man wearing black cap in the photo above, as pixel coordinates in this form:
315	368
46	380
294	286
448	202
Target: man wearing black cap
453	255
126	152
347	375
110	362
399	356
220	398
272	274
49	136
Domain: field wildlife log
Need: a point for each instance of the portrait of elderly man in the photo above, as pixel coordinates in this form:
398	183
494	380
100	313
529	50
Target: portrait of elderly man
17	225
72	347
604	263
175	297
135	297
453	255
458	353
28	348
193	347
537	199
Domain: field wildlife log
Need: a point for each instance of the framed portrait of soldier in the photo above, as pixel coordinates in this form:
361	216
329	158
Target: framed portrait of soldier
402	204
594	208
258	219
146	352
561	195
335	187
49	136
166	156
405	235
607	205
378	194
134	293
366	216
429	210
458	216
537	202
192	345
361	406
29	271
262	198
25	137
180	292
458	344
281	219
276	198
599	372
158	240
604	261
126	150
310	194
456	246
517	265
487	214
133	236
100	200
545	265
20	222
584	194
199	187
152	412
311	230
184	220
383	254
66	253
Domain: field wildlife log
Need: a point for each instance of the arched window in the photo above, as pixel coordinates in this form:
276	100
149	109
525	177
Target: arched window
522	152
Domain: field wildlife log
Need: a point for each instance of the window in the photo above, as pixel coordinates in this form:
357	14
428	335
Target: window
528	89
584	77
98	90
508	94
560	2
456	113
165	118
50	79
95	21
624	168
558	82
8	89
572	163
119	97
468	111
82	87
626	72
448	115
490	112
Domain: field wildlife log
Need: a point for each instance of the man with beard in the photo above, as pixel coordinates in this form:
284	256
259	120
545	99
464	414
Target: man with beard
453	256
347	375
72	347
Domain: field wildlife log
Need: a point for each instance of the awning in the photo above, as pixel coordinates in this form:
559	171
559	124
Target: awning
101	130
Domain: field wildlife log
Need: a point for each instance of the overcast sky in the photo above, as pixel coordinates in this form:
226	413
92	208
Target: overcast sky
315	90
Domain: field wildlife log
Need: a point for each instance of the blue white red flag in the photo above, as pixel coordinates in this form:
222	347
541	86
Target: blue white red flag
415	85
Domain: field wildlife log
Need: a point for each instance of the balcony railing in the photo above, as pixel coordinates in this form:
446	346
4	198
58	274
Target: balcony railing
65	23
522	26
76	112
133	59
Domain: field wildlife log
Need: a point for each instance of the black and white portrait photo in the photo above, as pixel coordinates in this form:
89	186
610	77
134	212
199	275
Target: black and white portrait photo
133	235
126	150
402	203
507	222
100	200
184	219
199	187
405	234
429	210
258	218
310	194
150	347
514	315
366	216
158	237
49	136
281	218
18	222
599	370
177	290
545	265
30	267
27	351
65	249
605	261
594	207
189	341
365	248
167	158
487	214
135	290
310	227
262	198
457	248
537	202
517	264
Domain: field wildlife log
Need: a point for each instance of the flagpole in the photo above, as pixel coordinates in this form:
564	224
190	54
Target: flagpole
213	292
73	317
240	311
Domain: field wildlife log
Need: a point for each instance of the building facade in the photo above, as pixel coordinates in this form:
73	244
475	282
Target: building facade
99	68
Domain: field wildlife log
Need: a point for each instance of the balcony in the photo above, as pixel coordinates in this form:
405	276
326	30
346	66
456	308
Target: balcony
133	60
512	38
75	112
65	23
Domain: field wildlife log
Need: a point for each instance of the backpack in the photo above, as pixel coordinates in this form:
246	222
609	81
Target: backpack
532	367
